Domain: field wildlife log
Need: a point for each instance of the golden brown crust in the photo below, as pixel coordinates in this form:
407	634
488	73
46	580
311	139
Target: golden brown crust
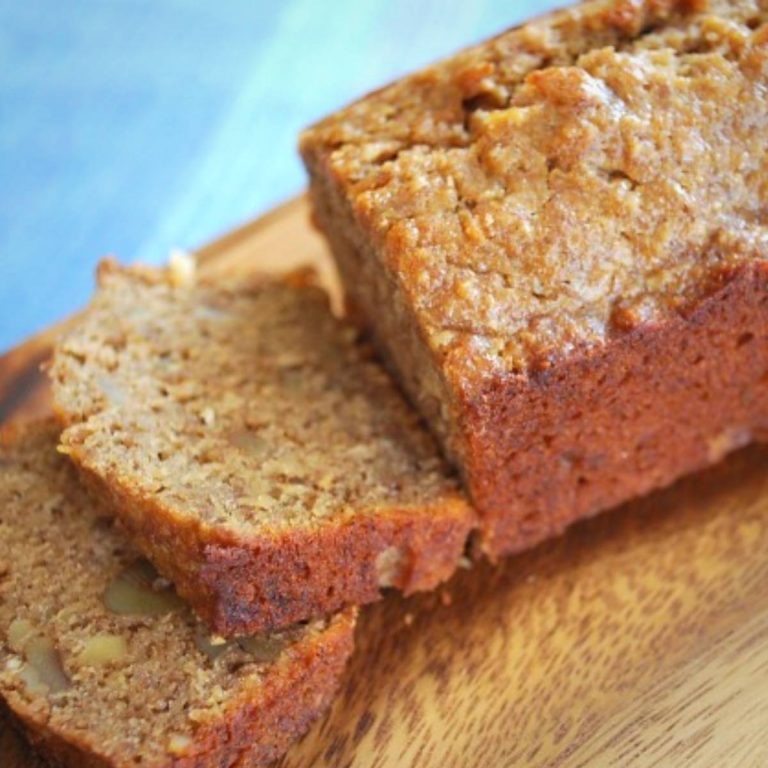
241	585
257	733
603	427
563	212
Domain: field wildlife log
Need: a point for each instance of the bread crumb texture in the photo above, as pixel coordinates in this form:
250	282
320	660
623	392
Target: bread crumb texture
249	407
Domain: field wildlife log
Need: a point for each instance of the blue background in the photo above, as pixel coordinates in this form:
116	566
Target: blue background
133	126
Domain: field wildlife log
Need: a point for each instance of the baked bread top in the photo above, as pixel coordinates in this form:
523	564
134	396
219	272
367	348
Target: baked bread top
565	181
102	661
258	454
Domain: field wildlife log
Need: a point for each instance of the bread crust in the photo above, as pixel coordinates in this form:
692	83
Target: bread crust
600	428
242	585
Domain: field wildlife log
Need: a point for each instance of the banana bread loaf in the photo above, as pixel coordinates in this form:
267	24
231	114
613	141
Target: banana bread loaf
253	449
105	666
559	239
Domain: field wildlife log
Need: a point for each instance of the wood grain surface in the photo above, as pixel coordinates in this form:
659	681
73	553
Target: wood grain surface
640	638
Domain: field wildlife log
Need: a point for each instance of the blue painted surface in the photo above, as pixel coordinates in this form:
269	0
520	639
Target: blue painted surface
132	126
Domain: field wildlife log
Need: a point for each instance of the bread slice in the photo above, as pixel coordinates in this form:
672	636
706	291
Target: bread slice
253	449
559	239
102	662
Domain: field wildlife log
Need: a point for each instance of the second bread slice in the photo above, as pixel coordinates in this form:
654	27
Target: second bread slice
104	667
253	449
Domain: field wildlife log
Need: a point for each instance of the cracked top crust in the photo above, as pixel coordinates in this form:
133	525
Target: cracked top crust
565	181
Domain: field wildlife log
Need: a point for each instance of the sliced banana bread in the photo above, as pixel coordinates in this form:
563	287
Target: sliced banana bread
560	240
103	663
253	448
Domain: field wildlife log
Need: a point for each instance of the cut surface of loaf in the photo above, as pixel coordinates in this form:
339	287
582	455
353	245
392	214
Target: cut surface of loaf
559	239
253	448
102	662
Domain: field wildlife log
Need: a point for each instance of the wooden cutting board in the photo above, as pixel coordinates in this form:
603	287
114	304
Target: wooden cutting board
638	639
